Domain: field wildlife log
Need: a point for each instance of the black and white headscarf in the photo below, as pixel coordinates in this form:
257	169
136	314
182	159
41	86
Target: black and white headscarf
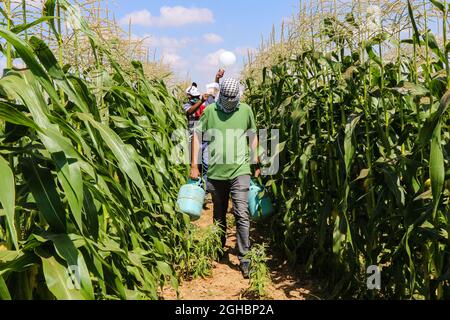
229	97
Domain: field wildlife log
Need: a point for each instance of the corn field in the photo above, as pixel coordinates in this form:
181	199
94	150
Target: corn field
358	91
87	186
359	94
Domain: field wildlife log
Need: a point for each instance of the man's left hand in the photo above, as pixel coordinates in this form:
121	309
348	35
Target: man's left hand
257	172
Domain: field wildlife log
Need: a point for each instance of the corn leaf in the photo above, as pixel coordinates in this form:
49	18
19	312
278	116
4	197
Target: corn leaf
42	185
69	174
7	198
49	11
23	27
431	42
67	250
416	35
373	56
28	56
4	292
439	5
10	114
437	169
59	280
431	123
125	154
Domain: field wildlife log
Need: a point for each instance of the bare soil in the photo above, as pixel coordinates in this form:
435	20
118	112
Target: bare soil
227	283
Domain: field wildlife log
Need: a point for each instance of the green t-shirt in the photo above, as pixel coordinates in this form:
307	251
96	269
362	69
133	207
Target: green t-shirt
227	137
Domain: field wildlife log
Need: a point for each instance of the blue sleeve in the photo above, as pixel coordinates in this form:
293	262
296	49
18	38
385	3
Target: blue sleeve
186	107
210	100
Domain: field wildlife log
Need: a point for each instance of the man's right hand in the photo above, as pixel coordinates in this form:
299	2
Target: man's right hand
195	173
220	75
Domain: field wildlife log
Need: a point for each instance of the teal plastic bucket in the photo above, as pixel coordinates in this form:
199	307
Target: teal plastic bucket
259	203
191	198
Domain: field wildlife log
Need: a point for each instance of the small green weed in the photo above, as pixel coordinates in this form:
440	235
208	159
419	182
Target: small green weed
206	248
259	272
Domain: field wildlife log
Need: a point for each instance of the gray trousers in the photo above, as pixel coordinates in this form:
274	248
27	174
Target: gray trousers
238	189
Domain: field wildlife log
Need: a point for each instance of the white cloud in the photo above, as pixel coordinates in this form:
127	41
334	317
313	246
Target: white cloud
170	43
170	17
212	38
169	48
174	60
143	17
243	51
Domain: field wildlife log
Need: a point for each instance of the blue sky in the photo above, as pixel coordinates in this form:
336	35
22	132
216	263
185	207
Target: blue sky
190	35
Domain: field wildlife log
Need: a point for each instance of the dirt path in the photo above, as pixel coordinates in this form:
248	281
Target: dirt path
227	283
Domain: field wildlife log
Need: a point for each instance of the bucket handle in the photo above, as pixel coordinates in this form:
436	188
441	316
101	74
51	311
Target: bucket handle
253	182
200	182
260	187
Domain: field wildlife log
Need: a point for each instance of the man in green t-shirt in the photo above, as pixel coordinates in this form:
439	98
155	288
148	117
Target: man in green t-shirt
229	128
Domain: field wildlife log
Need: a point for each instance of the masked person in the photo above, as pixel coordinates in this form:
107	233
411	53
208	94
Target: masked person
229	128
212	91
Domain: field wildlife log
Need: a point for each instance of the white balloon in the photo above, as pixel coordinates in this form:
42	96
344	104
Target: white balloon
227	58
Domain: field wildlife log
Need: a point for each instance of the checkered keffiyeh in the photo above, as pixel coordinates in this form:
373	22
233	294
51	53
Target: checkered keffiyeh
229	97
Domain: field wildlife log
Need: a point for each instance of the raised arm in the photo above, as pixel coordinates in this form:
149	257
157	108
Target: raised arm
219	75
197	105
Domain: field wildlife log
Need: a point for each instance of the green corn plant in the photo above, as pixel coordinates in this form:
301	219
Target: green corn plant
206	247
259	274
88	202
363	175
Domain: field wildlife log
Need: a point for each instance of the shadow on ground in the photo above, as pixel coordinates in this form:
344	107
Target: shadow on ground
292	280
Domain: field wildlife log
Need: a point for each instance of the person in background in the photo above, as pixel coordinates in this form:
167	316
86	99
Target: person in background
193	110
232	176
197	102
194	107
